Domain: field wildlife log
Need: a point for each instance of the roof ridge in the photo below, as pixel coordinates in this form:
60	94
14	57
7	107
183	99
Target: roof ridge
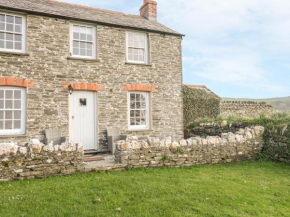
92	8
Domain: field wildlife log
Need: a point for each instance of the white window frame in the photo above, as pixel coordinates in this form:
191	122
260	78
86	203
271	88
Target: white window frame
23	113
146	49
24	29
94	41
139	127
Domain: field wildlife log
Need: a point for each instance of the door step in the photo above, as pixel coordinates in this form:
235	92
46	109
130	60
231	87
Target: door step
91	159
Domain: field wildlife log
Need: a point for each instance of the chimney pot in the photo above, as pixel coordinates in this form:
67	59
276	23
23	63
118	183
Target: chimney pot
149	10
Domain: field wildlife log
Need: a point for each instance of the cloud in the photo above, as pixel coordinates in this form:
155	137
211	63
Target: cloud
230	41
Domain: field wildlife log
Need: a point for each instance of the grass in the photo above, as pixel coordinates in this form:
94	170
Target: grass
259	188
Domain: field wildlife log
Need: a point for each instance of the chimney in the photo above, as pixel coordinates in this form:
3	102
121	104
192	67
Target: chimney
149	10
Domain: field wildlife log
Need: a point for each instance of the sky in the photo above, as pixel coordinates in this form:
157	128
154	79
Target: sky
237	48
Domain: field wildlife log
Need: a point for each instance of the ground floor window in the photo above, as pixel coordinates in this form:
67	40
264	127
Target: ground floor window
12	110
138	110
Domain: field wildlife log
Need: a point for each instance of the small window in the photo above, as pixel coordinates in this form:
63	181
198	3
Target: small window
137	47
12	110
83	41
138	110
12	33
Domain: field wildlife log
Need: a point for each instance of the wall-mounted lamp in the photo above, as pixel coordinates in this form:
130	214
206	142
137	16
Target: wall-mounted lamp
70	89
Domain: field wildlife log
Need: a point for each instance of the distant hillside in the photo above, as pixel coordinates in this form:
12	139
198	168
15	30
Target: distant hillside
280	104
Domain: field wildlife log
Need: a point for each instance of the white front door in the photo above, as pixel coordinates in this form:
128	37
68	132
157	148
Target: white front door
83	119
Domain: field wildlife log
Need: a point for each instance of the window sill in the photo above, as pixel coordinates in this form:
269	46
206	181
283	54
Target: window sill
138	130
19	135
13	53
140	64
83	59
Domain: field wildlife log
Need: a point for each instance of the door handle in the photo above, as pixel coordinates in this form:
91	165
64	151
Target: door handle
73	117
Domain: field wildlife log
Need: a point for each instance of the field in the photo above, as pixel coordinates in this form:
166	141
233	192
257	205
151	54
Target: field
258	188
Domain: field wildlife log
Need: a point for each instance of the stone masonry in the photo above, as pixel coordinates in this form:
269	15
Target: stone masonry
244	144
48	66
35	160
245	109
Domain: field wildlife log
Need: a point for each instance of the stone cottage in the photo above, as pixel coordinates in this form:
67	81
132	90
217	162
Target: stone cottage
81	70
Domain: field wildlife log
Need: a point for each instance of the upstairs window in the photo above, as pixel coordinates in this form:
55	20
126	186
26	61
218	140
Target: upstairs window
12	110
12	33
138	110
137	47
83	41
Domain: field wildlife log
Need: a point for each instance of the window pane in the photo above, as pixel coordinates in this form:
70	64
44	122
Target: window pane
76	28
1	44
2	26
2	35
83	37
90	46
142	114
76	44
1	125
2	18
17	104
17	94
8	125
82	52
138	121
8	114
9	44
18	20
143	121
132	122
137	113
1	115
89	53
9	27
89	37
132	114
18	46
143	105
8	104
132	97
1	94
17	115
1	104
17	124
18	28
76	51
76	36
138	97
18	37
9	37
82	45
138	105
9	19
9	94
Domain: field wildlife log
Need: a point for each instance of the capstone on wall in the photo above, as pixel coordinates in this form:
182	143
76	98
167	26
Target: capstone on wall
245	109
47	64
35	160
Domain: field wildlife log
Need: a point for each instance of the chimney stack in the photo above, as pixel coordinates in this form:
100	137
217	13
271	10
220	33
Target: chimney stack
149	10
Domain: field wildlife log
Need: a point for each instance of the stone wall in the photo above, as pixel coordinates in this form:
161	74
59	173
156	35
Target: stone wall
214	129
48	64
245	109
34	160
245	144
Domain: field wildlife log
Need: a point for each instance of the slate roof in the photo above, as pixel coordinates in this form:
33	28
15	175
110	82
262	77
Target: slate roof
83	13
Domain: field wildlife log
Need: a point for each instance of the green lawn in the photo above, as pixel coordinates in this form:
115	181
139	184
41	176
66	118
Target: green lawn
246	189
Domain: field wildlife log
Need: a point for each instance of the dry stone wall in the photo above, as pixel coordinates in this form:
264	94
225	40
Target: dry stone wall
245	109
245	144
35	160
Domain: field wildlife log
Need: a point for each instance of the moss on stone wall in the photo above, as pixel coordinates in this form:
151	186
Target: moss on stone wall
276	136
199	103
